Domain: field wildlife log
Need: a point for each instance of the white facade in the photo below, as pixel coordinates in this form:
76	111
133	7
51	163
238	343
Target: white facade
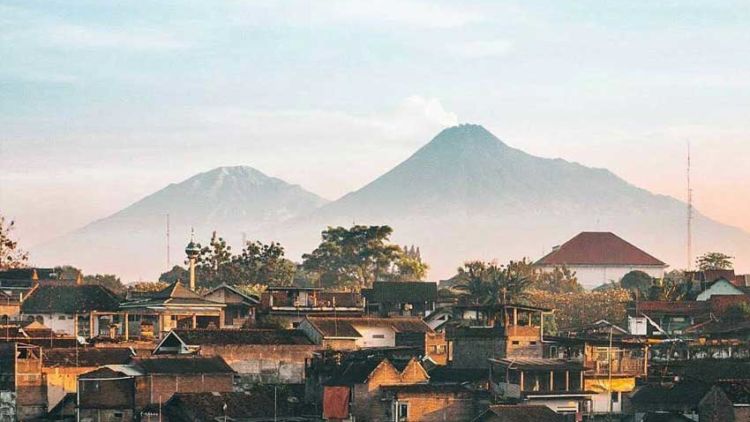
383	336
58	323
721	287
591	276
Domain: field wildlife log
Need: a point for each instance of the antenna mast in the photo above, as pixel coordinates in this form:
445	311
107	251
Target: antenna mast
169	261
689	216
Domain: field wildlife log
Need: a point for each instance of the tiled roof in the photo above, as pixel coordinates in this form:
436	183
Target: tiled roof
717	370
183	365
738	392
252	336
28	274
350	327
89	356
665	417
684	393
70	299
520	413
598	248
672	308
102	373
401	292
237	406
174	294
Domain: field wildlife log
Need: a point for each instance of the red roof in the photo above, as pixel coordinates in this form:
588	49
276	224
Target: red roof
598	248
672	308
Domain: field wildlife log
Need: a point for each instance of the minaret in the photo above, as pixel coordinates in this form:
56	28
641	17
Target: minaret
192	251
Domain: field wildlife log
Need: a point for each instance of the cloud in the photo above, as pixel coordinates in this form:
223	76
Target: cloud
78	36
481	48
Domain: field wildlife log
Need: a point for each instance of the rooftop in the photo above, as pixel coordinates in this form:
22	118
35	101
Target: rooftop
350	327
520	413
401	292
183	365
598	248
532	364
70	299
244	336
89	356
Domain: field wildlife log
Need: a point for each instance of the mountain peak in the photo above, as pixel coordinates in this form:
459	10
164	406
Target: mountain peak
467	134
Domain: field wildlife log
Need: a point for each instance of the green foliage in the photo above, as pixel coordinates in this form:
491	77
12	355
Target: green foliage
637	282
110	281
214	264
11	255
147	286
714	261
672	287
353	257
577	309
737	313
176	273
488	283
272	323
559	280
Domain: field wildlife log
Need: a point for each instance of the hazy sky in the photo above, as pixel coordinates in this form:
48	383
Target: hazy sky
103	102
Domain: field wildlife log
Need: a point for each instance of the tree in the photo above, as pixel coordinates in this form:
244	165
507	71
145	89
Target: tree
638	282
559	280
472	276
576	309
714	261
261	263
672	287
148	286
11	255
176	273
214	264
110	281
353	257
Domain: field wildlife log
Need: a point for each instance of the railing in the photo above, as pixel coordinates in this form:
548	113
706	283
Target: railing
629	366
523	331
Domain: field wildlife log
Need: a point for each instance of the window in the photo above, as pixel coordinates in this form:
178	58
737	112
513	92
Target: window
403	412
532	343
378	336
615	397
515	342
117	415
61	317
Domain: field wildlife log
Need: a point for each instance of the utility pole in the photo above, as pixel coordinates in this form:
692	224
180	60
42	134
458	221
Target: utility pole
689	214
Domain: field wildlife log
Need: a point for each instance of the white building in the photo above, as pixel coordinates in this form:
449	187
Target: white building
600	257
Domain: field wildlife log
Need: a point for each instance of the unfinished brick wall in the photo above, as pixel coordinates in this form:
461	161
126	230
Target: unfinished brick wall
159	388
367	405
427	407
265	363
474	352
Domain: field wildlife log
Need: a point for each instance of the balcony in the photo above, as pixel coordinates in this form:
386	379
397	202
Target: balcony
623	366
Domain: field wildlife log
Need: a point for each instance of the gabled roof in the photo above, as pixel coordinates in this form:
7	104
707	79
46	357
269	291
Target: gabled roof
684	393
199	337
598	248
401	292
679	308
248	298
183	365
70	299
738	392
350	327
174	294
520	413
102	373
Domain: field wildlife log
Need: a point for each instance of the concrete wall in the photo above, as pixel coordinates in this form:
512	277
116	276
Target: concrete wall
371	336
473	352
105	415
66	325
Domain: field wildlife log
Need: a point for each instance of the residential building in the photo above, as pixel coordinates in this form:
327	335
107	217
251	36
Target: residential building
726	401
719	287
293	304
240	308
519	413
176	306
401	298
265	356
23	392
360	333
77	310
107	394
599	258
257	406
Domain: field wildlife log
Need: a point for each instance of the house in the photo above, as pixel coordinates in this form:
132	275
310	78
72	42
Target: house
293	304
555	383
519	413
107	394
257	406
679	398
401	298
122	392
360	333
10	307
433	402
726	401
610	368
62	366
720	286
240	308
175	306
663	318
77	310
477	333
267	356
23	393
600	257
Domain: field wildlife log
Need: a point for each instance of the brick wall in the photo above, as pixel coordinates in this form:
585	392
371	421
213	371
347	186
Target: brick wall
716	407
106	415
159	388
473	352
427	407
366	405
436	347
524	346
265	363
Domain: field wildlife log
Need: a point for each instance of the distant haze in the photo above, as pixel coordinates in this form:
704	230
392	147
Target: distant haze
464	195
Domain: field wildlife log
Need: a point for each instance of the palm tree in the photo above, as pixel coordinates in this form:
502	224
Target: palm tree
472	275
505	285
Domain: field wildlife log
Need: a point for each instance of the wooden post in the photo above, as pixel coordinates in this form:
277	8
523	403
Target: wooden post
515	316
195	321
551	380
92	315
521	389
567	380
127	327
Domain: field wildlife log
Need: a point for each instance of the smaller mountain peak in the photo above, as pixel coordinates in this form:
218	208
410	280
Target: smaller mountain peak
466	134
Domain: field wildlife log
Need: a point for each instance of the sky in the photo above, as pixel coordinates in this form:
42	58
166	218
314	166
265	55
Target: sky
102	103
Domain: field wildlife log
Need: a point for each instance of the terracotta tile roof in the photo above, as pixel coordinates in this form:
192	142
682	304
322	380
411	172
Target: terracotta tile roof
102	373
235	406
686	307
349	327
91	357
520	413
183	365
598	248
684	393
174	294
70	299
251	336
